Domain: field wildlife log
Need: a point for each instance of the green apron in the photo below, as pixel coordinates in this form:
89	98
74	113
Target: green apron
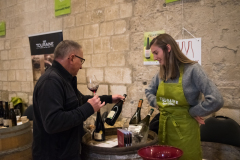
176	127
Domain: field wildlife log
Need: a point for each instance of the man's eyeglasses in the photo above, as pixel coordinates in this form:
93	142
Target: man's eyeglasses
82	59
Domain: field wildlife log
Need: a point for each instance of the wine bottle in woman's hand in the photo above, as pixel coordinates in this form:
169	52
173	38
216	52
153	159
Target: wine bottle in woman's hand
115	112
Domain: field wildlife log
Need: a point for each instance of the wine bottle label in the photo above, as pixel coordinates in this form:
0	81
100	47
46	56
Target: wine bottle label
1	120
147	53
10	123
111	114
5	122
98	136
134	128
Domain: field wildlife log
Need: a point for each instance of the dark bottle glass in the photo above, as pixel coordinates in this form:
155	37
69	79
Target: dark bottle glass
147	50
146	120
115	112
1	113
145	126
99	132
12	116
6	116
136	118
140	131
19	106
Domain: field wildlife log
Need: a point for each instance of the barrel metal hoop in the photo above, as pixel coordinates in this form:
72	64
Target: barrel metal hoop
121	150
15	133
19	149
15	128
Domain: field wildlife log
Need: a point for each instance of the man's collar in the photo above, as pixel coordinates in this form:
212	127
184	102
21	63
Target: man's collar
64	73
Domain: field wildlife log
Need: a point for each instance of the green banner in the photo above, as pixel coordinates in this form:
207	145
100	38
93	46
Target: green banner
62	7
2	29
170	1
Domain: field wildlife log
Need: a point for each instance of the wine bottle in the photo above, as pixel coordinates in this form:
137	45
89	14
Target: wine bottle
145	126
140	131
146	120
99	132
6	116
1	113
115	112
147	50
136	118
12	116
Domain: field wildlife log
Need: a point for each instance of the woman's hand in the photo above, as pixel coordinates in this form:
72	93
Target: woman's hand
116	98
200	120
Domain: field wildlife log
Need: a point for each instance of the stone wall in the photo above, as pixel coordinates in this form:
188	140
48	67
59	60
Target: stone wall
111	33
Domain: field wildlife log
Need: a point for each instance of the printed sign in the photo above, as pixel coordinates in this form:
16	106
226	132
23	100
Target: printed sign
147	54
42	49
191	48
45	43
62	7
2	29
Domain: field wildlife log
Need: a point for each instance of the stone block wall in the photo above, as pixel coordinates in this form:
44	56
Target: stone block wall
111	33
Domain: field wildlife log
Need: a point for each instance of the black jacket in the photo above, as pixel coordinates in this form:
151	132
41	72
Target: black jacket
59	111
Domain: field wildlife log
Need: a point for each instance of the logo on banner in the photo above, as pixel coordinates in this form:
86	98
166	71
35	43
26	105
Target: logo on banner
45	44
170	102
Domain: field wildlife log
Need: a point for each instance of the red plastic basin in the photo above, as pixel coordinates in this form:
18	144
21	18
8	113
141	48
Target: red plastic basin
160	152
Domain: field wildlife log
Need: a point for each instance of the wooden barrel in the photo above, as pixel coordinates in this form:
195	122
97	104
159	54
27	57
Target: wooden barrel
16	142
90	152
212	150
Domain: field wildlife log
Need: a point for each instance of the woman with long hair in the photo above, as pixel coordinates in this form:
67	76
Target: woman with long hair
177	92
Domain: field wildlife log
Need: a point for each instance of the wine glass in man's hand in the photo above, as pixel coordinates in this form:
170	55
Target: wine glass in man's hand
92	83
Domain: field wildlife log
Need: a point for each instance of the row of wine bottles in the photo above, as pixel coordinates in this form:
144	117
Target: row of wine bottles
99	132
7	117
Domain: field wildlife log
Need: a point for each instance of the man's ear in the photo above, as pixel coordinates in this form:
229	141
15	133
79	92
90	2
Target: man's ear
71	57
169	47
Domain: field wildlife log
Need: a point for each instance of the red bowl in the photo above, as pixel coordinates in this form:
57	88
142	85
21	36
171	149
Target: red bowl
160	153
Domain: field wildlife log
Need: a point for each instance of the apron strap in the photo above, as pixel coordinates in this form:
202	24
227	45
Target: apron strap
175	124
181	68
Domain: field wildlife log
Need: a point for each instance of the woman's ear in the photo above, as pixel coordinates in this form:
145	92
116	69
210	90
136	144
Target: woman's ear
169	47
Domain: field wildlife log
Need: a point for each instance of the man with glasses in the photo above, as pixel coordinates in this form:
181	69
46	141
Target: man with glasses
60	108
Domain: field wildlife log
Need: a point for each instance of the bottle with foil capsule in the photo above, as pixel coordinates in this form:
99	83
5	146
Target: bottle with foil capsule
145	126
6	116
99	132
136	118
140	131
12	116
115	112
147	49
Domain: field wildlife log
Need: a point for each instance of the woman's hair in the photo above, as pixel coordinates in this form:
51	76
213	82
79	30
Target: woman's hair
65	47
173	59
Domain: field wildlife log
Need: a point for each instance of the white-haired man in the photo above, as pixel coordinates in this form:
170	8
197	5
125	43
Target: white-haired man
60	109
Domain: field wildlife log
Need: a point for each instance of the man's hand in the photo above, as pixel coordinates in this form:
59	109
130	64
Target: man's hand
200	120
96	103
116	98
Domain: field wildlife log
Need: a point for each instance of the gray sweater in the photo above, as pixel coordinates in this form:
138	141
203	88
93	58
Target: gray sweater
194	82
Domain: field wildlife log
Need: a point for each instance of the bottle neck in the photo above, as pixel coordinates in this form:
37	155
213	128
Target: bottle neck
140	103
148	116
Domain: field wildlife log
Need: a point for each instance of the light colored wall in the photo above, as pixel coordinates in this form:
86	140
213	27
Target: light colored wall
111	33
